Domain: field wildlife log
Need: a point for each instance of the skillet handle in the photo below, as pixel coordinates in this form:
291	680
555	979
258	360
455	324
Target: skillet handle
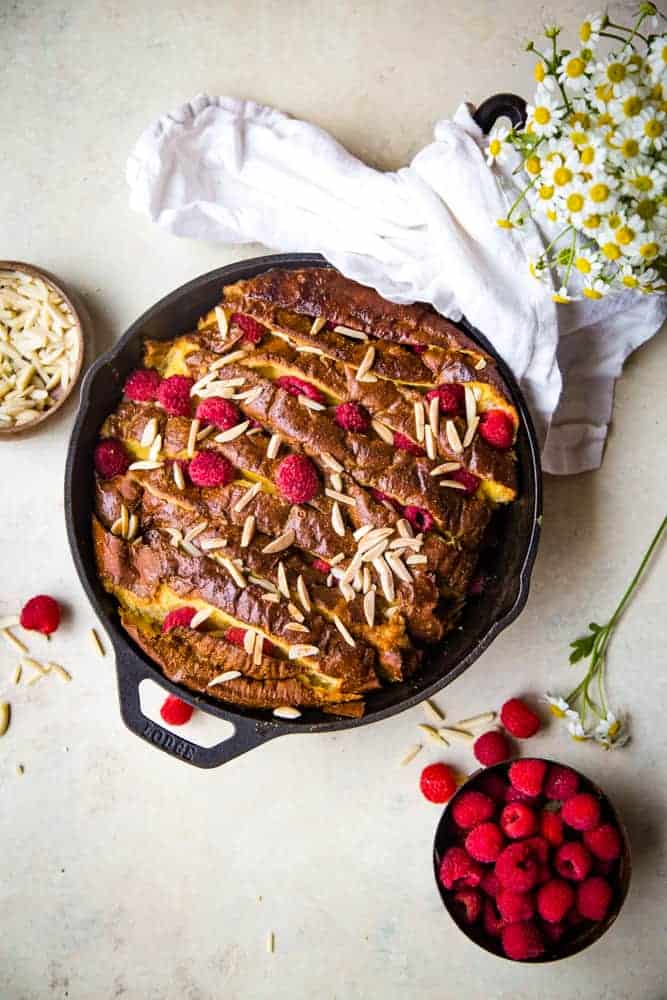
246	734
501	106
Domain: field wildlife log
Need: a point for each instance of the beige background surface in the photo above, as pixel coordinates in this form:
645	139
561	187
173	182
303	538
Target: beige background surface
127	874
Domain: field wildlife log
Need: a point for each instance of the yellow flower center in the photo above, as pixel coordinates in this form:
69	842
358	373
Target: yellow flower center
583	265
585	31
578	137
533	164
604	92
614	220
611	251
580	118
616	72
591	293
574	67
649	250
664	54
643	182
624	235
539	72
560	298
542	115
653	128
586	55
655	92
629	148
504	223
551	215
578	739
592	221
558	712
614	729
562	175
629	281
599	192
575	202
587	155
546	192
632	106
495	146
646	209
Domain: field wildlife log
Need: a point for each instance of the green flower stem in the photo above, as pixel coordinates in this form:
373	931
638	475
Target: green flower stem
521	196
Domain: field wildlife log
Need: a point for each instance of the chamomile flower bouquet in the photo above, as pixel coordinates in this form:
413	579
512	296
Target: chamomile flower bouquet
591	161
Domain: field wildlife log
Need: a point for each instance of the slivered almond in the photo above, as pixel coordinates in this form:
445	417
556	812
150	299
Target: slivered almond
366	363
434	414
375	551
228	359
471	404
471	430
280	543
5	716
310	404
337	558
385	577
411	754
416	560
383	431
337	520
317	325
219	389
191	549
30	663
297	627
282	712
250	494
302	591
419	421
192	533
124	520
347	591
132	527
97	644
201	617
445	467
366	579
358	581
453	437
211	544
331	462
369	607
150	430
429	441
283	585
343	631
144	466
177	474
273	447
175	535
457	735
367	377
433	711
233	432
258	650
451	484
360	532
248	531
249	641
117	528
397	566
405	543
404	527
270	598
484	719
336	481
16	676
295	612
202	383
235	573
342	497
347	331
56	668
192	437
249	395
226	675
308	349
481	365
352	569
433	734
221	319
233	383
374	535
299	650
259	581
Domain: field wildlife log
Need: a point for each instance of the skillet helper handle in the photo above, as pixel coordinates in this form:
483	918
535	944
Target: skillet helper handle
131	673
500	106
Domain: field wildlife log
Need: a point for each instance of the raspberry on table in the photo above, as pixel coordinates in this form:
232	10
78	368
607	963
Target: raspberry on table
451	396
518	820
471	808
522	941
497	429
419	518
604	842
208	468
518	719
582	811
437	783
174	395
491	748
219	412
554	899
594	897
493	922
252	330
527	776
296	386
573	861
468	905
176	712
515	907
141	385
458	869
468	480
485	842
178	618
41	614
110	458
297	479
352	417
551	827
517	867
561	783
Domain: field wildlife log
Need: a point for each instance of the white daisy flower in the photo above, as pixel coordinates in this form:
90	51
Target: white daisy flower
496	147
595	288
587	263
572	73
575	727
589	30
561	296
614	71
574	203
657	58
611	732
602	194
628	102
648	278
653	134
644	249
562	170
557	705
625	147
545	114
643	179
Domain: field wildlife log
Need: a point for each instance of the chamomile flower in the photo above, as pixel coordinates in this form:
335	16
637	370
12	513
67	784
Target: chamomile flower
574	204
611	732
545	114
587	263
644	248
625	146
497	148
561	296
572	73
602	195
628	102
589	30
562	170
653	133
657	58
612	72
596	288
575	727
557	705
648	278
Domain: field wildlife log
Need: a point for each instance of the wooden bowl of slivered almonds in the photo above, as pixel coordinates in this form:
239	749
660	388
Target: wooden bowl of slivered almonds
41	346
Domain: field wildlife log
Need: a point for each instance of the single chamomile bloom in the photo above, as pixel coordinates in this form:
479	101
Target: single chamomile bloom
611	732
627	103
557	705
657	58
575	727
561	171
625	146
572	73
653	132
561	296
545	115
573	203
644	249
496	145
587	263
602	195
589	30
648	278
595	288
613	71
643	179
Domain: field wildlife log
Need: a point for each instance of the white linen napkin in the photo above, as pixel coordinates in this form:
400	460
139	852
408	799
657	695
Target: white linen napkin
220	168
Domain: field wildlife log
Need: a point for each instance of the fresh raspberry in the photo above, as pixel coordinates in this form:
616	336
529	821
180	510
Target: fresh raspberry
208	468
468	905
518	820
594	897
553	932
41	614
497	429
404	443
527	776
573	861
604	842
469	481
517	867
178	618
438	783
297	479
485	842
458	869
582	811
110	458
352	417
174	395
299	387
451	396
551	827
490	748
252	330
236	635
219	412
472	808
518	719
493	785
385	498
141	385
522	941
175	712
490	884
554	899
419	518
540	848
562	783
493	922
515	906
321	566
514	795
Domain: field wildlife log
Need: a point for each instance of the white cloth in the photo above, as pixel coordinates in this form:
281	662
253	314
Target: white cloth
230	170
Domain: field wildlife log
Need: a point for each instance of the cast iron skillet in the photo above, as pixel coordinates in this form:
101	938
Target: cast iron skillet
482	620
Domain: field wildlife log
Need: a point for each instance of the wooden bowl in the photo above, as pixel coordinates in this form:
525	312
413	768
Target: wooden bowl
60	396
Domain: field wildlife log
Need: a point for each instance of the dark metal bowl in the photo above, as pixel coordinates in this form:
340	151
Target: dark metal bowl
446	836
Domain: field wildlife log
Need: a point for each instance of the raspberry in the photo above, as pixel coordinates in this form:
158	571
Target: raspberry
604	842
497	429
41	614
517	867
321	566
458	869
491	748
252	330
437	783
419	518
352	417
236	635
178	618
554	899
582	811
551	827
175	712
527	776
174	395
562	783
219	412
493	922
404	443
299	387
493	785
573	861
210	469
469	481
522	941
518	719
515	906
514	795
385	498
517	820
594	898
472	808
297	479
490	884
485	842
468	905
141	385
540	848
451	396
110	459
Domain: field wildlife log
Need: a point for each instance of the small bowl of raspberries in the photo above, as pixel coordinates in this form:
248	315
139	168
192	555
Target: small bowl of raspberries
531	860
